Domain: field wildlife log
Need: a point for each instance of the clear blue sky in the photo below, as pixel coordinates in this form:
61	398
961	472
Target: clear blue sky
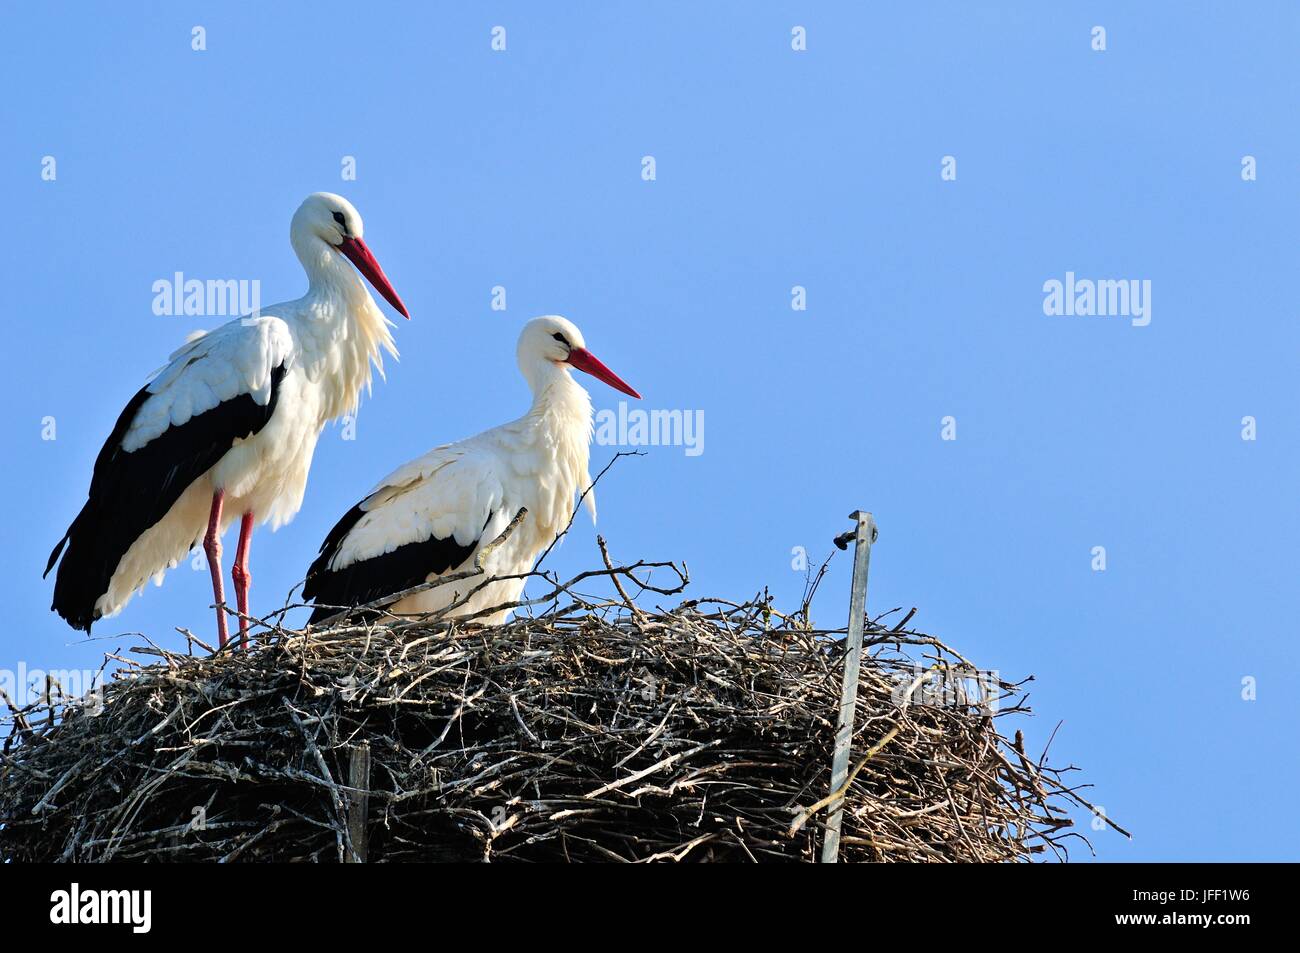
775	168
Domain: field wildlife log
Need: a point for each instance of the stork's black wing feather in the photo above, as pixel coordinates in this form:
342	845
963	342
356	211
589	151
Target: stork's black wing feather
131	491
369	579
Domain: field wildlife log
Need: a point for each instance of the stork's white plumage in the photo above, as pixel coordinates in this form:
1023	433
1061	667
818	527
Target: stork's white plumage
227	429
431	516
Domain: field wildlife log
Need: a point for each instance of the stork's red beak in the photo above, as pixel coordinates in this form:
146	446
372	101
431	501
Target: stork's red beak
585	361
360	256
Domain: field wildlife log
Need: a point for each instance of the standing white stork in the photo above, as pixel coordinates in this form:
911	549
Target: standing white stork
431	516
227	429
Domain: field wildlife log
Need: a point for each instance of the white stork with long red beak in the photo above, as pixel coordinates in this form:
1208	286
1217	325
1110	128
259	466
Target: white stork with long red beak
227	429
430	517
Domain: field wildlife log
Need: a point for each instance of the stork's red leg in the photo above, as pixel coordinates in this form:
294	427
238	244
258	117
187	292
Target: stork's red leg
241	575
212	546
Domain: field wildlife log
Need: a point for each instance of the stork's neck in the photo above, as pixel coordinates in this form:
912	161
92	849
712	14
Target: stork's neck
558	400
329	275
561	416
342	331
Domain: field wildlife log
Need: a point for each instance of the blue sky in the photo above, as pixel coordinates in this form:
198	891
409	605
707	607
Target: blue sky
774	168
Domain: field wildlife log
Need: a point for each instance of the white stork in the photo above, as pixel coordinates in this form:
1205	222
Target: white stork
227	429
430	517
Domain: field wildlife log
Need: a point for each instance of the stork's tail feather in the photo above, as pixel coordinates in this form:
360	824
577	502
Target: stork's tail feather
93	546
54	556
85	570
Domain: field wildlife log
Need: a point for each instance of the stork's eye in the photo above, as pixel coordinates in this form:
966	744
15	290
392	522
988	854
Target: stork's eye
338	217
560	337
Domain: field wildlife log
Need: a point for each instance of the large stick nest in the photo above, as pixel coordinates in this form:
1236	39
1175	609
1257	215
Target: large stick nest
595	731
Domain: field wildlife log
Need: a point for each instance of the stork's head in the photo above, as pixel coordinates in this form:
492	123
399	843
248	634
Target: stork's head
556	341
332	219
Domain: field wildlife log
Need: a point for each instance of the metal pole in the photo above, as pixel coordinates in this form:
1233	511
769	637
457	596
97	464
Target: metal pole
866	535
